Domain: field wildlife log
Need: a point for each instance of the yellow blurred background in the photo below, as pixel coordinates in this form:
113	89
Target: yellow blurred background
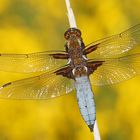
28	26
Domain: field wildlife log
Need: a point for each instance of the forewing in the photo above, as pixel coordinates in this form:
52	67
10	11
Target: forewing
27	63
44	86
113	71
115	45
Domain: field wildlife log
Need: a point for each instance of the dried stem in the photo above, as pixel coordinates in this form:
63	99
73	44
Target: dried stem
96	132
70	14
72	23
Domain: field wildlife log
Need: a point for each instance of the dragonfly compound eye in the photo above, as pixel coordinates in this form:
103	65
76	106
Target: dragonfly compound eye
72	32
77	32
67	34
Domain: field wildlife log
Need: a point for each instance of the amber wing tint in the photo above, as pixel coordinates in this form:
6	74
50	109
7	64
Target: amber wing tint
116	45
35	62
116	70
45	86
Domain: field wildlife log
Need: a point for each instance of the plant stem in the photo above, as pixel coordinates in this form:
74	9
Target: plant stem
96	132
72	23
70	14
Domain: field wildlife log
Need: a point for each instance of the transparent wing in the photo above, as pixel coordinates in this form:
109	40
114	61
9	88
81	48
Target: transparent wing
35	62
44	86
115	45
116	70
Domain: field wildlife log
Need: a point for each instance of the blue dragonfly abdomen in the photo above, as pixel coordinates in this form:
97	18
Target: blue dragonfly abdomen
85	100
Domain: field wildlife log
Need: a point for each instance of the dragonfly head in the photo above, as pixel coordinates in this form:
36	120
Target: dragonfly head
73	37
72	33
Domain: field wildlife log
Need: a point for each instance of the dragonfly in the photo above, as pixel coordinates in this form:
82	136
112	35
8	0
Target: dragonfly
104	62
